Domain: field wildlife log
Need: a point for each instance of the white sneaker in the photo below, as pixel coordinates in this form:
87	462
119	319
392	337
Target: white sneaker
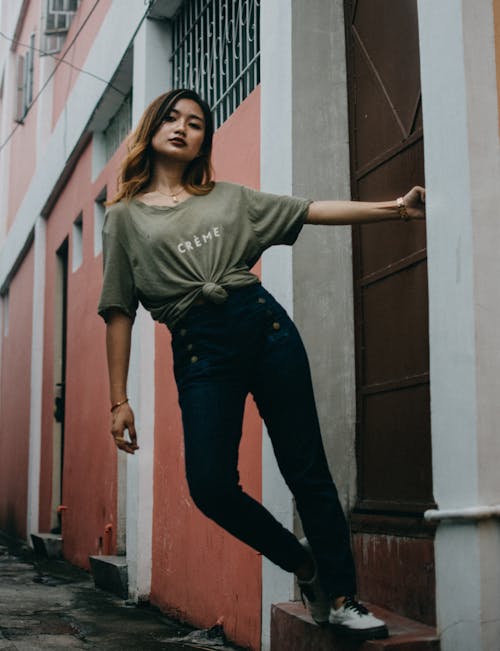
312	594
353	619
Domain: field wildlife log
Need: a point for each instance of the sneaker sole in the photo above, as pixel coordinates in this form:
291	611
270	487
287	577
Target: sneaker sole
378	633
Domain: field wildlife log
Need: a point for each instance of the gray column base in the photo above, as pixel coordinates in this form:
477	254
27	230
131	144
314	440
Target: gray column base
47	544
110	574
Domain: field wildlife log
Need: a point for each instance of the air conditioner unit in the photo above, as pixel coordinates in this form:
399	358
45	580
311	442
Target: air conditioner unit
59	14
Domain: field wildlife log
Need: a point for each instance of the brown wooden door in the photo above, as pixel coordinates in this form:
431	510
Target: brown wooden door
394	452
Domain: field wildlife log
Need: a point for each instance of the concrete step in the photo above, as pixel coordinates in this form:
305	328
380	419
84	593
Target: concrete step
110	573
292	629
47	544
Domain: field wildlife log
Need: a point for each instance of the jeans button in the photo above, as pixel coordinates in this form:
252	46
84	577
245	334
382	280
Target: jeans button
261	299
276	325
194	359
190	346
183	332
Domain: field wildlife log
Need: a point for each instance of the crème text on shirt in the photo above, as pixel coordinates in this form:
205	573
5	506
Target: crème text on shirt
198	241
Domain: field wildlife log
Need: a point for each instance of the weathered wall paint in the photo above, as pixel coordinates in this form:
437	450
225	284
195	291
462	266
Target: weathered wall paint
14	401
381	561
193	557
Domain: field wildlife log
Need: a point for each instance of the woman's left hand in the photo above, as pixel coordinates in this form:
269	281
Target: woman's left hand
415	202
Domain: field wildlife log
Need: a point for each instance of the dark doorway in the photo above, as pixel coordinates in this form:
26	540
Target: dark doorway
60	329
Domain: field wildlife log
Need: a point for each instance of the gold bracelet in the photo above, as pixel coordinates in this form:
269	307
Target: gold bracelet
118	404
403	213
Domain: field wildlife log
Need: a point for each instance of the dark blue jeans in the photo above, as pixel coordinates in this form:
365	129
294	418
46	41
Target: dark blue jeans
221	353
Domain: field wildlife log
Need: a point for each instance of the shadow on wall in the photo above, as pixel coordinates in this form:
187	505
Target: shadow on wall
9	524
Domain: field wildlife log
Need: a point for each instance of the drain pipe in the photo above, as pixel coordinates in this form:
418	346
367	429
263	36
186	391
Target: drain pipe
108	533
471	514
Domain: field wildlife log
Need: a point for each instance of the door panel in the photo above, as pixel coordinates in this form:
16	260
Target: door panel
387	416
390	274
391	540
390	309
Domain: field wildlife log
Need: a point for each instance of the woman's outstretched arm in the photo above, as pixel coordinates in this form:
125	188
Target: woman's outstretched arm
118	337
365	212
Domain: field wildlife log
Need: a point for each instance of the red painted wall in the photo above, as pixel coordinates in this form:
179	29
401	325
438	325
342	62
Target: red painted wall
200	572
90	465
15	402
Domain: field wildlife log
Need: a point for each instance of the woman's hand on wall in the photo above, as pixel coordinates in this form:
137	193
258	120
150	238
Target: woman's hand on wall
414	201
122	422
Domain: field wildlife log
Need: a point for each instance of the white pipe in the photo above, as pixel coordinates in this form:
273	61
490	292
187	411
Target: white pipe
468	513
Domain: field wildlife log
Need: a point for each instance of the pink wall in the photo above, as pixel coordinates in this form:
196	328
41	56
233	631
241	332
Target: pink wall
22	150
65	77
23	144
496	14
89	481
15	402
201	573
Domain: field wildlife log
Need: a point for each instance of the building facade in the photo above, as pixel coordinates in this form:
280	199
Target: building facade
334	99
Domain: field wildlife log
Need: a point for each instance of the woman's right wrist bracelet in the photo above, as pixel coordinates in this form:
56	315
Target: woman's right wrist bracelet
118	404
403	212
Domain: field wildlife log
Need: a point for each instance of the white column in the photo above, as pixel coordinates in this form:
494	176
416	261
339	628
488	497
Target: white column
462	160
152	47
36	385
276	176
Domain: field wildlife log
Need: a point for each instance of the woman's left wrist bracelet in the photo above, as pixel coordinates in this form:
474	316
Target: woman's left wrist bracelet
118	404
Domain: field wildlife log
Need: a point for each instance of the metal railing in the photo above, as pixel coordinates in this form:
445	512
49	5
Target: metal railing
118	127
216	51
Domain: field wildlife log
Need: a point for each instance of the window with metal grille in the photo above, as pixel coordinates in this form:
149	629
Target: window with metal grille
24	84
118	127
216	51
57	18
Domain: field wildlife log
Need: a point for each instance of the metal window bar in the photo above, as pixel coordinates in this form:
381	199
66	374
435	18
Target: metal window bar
56	20
216	51
31	72
59	15
118	127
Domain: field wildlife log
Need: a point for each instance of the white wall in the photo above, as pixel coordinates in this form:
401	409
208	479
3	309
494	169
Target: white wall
152	48
276	176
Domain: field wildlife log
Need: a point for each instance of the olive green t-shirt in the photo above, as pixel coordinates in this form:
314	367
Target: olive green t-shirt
166	257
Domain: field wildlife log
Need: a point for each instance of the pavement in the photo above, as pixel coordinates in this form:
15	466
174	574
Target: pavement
50	604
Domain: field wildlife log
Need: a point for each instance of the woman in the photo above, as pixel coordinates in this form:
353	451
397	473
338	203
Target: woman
183	246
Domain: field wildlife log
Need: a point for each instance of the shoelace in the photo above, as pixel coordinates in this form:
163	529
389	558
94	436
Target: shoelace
354	605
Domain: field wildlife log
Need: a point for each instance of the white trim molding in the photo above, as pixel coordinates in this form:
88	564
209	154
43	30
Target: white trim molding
36	386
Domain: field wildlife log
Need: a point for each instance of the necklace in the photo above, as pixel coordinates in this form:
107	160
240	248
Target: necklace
174	195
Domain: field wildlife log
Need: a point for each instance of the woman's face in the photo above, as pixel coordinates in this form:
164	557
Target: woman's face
180	135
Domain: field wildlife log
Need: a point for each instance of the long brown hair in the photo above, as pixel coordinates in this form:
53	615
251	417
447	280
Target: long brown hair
137	167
